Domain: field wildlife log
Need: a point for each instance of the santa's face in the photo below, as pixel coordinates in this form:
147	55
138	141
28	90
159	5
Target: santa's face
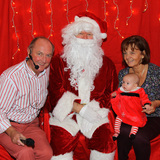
83	56
85	35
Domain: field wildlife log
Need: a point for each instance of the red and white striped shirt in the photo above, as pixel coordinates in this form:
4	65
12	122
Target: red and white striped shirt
22	94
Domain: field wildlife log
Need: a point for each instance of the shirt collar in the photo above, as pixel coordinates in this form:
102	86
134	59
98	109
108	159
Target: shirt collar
121	88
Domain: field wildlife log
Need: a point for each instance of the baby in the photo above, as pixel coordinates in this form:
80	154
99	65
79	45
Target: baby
128	102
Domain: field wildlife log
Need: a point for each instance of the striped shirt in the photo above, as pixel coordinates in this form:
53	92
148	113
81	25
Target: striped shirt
22	94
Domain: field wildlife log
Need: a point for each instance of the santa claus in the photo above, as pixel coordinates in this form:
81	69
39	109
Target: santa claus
81	81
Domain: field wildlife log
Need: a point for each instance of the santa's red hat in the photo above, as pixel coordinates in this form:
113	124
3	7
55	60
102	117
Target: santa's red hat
91	18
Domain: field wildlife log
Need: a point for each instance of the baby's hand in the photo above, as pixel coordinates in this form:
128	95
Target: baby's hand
114	94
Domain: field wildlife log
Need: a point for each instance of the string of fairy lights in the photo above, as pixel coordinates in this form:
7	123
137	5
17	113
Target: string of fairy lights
117	18
31	23
146	6
14	26
51	20
86	5
105	10
33	33
131	12
106	4
66	9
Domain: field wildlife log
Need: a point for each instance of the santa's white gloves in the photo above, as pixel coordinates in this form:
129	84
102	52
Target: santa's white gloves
89	114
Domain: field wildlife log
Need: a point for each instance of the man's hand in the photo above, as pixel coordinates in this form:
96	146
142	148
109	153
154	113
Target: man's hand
15	136
77	107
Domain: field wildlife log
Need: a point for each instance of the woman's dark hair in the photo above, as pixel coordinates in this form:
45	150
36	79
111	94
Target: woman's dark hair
139	42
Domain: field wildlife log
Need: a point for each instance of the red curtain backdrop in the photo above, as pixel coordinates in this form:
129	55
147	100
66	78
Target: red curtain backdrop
22	20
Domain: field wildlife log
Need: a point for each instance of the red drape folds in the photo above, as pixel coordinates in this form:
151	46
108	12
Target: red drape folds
21	20
4	155
4	35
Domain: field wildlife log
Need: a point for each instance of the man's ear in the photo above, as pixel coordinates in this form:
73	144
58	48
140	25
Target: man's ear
28	51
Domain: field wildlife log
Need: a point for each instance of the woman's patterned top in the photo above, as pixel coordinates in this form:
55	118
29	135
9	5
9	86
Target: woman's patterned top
151	85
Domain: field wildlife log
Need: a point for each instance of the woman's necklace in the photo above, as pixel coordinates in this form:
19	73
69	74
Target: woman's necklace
143	71
141	75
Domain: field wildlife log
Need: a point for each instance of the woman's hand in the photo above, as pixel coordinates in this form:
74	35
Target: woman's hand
151	108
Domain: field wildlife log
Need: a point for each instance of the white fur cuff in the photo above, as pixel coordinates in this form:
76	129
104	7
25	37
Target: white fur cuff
66	156
95	155
64	105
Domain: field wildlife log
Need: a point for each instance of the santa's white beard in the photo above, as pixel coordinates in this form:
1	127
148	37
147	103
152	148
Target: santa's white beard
83	56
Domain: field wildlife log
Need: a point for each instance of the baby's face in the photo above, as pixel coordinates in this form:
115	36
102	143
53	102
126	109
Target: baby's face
128	84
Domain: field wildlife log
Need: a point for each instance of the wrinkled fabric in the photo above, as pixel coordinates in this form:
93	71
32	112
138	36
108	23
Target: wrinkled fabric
62	141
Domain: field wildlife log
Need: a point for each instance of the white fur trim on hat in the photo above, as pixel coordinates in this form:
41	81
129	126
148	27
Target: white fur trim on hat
86	19
104	35
93	22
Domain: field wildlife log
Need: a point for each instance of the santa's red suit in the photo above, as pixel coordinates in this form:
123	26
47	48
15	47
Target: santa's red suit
128	106
66	126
